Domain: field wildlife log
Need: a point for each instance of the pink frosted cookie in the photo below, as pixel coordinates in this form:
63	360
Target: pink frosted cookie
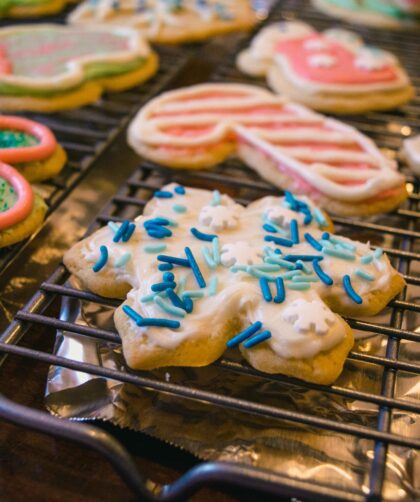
331	71
200	275
289	145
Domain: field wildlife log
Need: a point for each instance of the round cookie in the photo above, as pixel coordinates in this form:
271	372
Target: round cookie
201	274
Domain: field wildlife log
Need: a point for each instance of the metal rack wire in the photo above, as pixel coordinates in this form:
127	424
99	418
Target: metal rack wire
401	234
86	133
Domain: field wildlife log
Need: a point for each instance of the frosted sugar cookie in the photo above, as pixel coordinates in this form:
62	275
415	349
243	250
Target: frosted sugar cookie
30	147
28	8
295	149
332	71
52	67
21	211
395	14
202	275
169	21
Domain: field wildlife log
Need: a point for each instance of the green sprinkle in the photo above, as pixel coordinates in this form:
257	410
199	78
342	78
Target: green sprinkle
179	208
216	198
154	248
212	289
122	260
378	253
216	250
256	273
181	285
267	267
346	245
282	263
148	298
339	253
320	218
207	258
364	275
238	268
299	286
113	226
304	267
169	309
305	278
368	258
291	274
193	294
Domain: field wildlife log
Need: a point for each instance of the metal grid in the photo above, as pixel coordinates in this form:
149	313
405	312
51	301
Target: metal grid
401	235
87	132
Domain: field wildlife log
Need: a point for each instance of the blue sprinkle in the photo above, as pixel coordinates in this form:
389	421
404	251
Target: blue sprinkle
282	263
132	314
163	194
348	288
173	260
276	227
255	340
279	241
121	231
169	221
290	274
325	236
339	242
113	226
162	323
193	294
188	304
169	309
378	253
156	221
168	277
122	260
258	273
130	231
154	248
320	218
180	190
216	250
153	230
281	293
368	258
266	267
312	241
165	266
339	253
243	335
201	235
212	289
294	231
308	218
179	208
265	289
325	278
364	275
163	286
216	198
291	200
269	228
207	258
303	257
195	268
100	264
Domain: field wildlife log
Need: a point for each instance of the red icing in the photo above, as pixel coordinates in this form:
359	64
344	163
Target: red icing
5	64
344	70
25	197
45	148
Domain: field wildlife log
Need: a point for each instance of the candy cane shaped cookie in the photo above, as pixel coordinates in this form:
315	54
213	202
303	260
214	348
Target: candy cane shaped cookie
201	274
292	147
332	71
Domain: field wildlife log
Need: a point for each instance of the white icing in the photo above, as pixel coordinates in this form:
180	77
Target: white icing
322	61
301	326
136	47
225	117
349	39
411	152
374	59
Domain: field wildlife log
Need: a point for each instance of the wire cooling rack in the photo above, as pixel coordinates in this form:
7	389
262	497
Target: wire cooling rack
87	132
398	233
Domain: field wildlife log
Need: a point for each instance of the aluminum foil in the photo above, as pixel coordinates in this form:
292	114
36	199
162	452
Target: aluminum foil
213	433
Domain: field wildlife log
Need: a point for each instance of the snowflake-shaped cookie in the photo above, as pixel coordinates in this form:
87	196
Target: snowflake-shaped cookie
220	217
309	316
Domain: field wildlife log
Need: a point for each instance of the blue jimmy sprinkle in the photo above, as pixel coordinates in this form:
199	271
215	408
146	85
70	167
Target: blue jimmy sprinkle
243	335
281	293
299	286
279	241
320	218
163	194
348	288
163	286
201	235
154	248
339	253
325	278
195	268
168	277
308	218
265	289
325	236
169	309
300	265
366	259
127	235
294	231
151	321
255	340
132	314
158	220
346	245
165	266
364	275
303	257
208	258
212	289
173	260
180	190
275	227
269	228
189	305
193	294
179	208
312	241
291	200
122	229
100	264
113	226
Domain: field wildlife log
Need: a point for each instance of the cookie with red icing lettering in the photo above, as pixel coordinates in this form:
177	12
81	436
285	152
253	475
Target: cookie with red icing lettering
30	147
21	210
201	274
332	71
25	8
292	147
52	67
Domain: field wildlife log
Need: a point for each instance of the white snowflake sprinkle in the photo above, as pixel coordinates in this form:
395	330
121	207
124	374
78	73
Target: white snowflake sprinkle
220	217
309	316
240	253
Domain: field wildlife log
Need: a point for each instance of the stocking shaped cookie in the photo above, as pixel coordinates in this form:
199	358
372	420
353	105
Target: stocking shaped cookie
30	147
169	21
52	67
292	147
331	71
204	274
